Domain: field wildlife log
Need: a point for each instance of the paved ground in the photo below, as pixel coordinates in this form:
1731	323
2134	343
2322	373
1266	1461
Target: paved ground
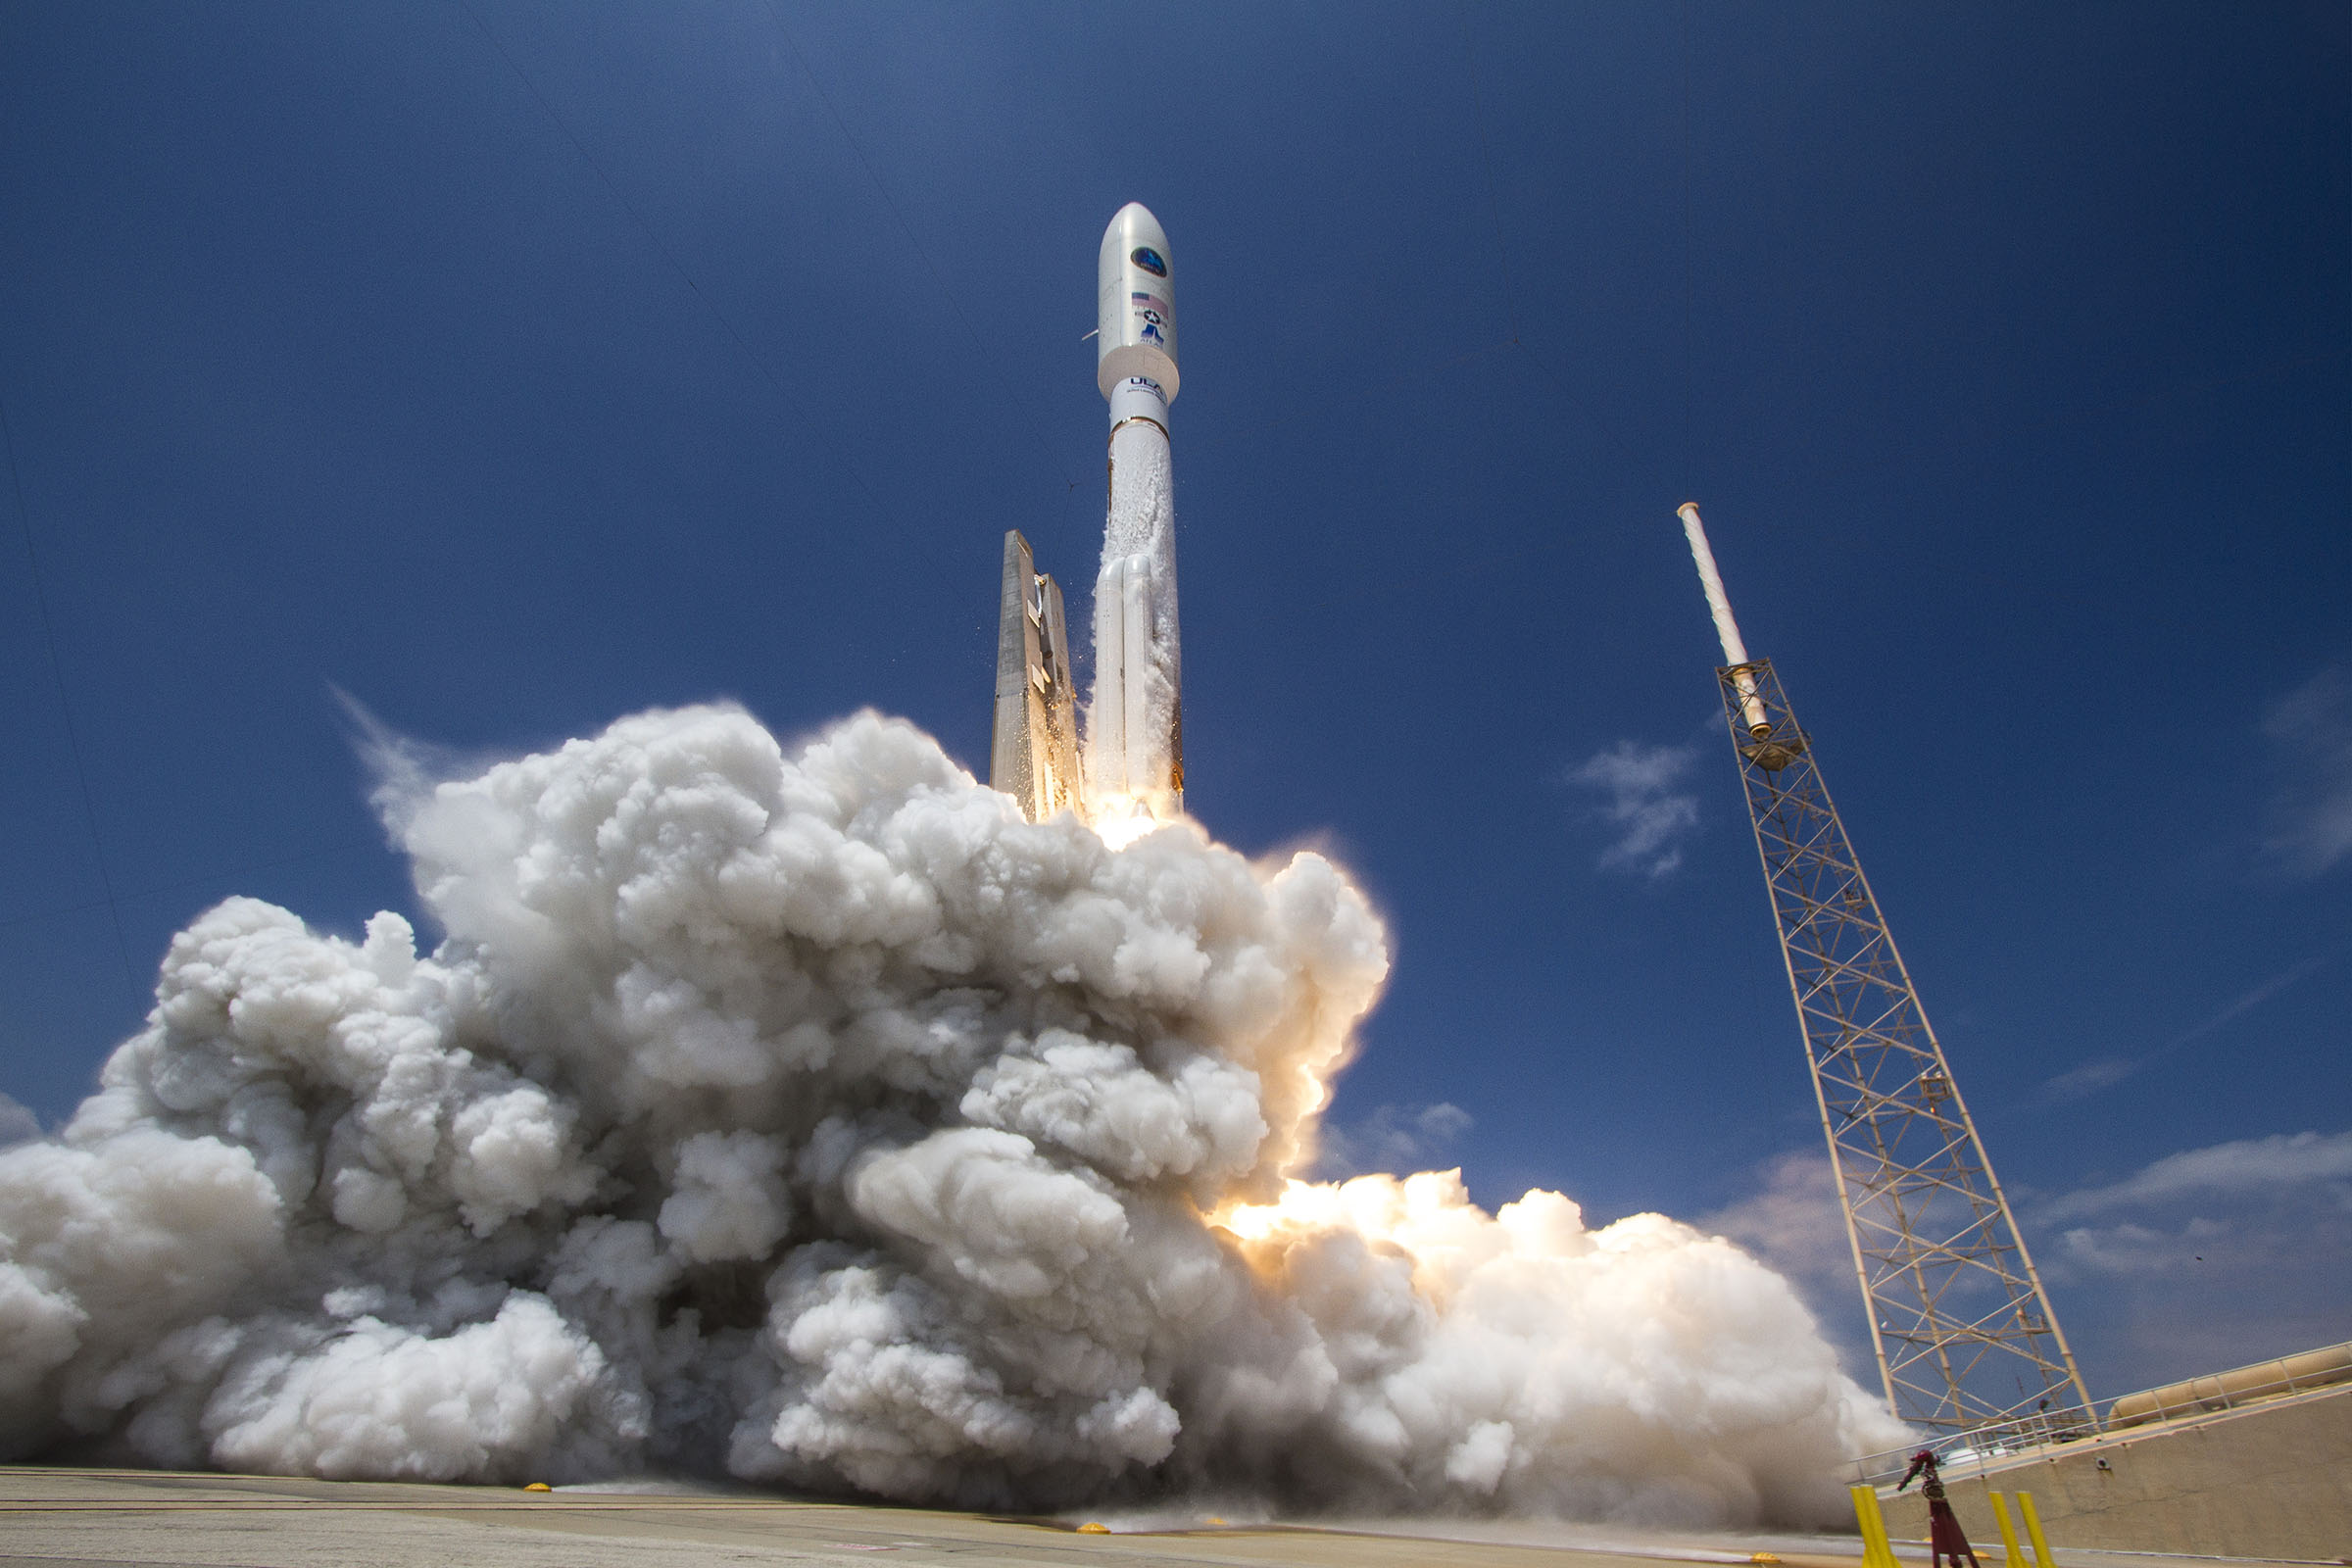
57	1518
68	1518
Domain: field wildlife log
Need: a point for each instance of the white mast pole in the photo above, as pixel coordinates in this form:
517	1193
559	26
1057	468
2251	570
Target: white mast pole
1719	605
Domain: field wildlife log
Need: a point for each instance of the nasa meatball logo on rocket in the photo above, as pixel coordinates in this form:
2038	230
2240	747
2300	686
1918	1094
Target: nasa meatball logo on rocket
1127	774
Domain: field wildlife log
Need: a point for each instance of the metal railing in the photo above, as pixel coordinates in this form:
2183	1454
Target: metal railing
1983	1446
2226	1391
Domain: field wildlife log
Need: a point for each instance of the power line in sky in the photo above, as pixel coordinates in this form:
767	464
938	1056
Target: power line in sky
916	247
1502	249
65	702
775	383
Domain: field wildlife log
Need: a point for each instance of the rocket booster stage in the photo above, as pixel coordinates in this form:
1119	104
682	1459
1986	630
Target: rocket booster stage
1134	727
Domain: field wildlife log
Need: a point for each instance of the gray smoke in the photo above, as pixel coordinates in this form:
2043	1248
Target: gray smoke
815	1119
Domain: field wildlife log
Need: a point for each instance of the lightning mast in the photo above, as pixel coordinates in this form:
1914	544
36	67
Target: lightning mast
1965	1336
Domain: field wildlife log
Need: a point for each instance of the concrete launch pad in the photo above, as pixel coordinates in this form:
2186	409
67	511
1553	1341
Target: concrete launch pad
56	1517
66	1518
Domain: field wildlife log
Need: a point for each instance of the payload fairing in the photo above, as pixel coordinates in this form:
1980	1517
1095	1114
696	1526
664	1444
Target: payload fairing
1131	765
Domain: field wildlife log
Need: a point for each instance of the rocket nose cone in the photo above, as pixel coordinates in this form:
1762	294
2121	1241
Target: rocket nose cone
1134	212
1131	226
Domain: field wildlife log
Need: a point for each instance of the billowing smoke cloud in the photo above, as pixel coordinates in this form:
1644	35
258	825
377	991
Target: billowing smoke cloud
817	1120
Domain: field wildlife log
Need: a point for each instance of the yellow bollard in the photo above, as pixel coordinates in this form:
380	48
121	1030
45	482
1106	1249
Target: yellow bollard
2009	1551
1877	1525
1877	1551
2041	1546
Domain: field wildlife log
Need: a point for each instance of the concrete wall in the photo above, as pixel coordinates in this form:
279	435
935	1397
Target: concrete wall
2273	1480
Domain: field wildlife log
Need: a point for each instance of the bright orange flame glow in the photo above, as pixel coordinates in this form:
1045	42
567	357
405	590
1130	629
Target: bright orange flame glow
1428	1218
1120	820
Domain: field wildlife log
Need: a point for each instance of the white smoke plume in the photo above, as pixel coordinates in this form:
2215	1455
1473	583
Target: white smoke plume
815	1119
18	1123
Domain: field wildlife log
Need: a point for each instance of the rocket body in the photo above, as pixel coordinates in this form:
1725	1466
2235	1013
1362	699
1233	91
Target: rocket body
1134	729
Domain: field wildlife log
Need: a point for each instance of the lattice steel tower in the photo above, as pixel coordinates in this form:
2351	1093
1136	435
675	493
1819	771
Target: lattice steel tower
1963	1329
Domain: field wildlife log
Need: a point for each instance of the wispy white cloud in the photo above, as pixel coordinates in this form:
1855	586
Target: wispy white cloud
2248	1165
1393	1138
1795	1222
2309	735
18	1124
2132	1248
1650	813
2105	1072
2203	1259
2089	1078
2247	1000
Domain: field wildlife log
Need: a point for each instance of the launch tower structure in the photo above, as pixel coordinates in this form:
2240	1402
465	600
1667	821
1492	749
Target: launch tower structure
1965	1336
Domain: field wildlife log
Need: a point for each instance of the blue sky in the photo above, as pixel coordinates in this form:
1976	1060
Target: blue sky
512	366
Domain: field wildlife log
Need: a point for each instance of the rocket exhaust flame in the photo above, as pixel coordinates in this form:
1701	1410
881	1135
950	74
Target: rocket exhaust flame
1121	819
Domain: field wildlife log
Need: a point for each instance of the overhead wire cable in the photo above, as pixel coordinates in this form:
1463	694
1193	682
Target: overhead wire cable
1301	411
140	894
1690	286
1514	343
1486	153
915	243
65	702
1485	158
2112	1071
799	410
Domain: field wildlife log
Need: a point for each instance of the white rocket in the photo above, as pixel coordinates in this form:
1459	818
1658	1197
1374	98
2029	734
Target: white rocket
1134	725
1133	768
